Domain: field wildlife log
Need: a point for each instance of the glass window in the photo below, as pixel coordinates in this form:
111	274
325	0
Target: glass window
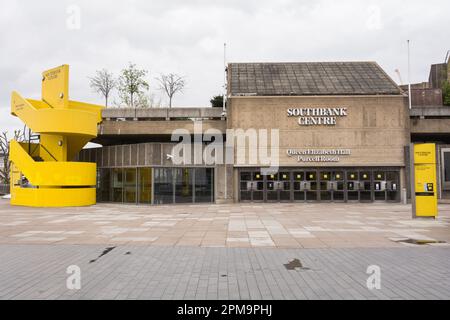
447	166
257	176
379	175
103	187
338	176
246	176
163	185
145	185
117	184
325	176
130	185
364	176
298	176
183	185
310	176
352	175
285	176
204	185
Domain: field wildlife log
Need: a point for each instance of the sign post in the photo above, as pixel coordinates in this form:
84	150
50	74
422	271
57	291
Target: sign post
424	187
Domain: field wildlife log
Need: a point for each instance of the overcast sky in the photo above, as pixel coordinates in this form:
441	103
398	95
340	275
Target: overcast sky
187	37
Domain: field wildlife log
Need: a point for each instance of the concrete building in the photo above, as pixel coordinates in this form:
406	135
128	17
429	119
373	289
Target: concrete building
343	131
430	121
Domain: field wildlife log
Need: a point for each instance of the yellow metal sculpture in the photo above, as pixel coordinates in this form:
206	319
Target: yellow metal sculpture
42	173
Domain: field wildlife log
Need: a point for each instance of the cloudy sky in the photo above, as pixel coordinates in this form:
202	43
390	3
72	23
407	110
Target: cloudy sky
187	37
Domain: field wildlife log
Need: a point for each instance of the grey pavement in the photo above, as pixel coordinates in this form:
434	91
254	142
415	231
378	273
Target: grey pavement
30	271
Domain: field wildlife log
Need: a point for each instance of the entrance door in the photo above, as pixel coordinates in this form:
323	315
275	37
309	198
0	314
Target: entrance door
272	188
337	185
284	186
379	186
445	168
393	186
245	186
251	186
258	187
325	186
278	187
352	186
311	186
299	186
365	186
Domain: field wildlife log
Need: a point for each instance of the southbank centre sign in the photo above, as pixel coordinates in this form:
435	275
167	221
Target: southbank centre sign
317	116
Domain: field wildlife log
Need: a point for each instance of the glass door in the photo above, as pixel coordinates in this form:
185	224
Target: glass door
272	187
379	186
393	186
284	186
245	185
352	186
337	185
104	183
299	183
258	187
145	185
163	185
325	186
445	167
117	185
311	186
365	190
204	185
130	185
183	185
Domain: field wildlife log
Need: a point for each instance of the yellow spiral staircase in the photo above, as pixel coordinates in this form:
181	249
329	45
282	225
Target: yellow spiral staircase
42	173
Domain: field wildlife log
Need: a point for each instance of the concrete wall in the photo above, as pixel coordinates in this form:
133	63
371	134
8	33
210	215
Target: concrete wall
430	120
376	128
430	126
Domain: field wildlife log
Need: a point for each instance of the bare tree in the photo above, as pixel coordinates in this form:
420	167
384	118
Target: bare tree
19	135
103	82
171	84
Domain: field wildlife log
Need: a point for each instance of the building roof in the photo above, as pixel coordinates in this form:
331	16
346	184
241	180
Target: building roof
309	78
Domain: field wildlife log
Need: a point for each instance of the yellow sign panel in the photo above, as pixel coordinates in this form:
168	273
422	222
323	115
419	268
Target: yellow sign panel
425	180
55	86
425	153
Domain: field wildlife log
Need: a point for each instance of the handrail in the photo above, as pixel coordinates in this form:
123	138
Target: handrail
42	146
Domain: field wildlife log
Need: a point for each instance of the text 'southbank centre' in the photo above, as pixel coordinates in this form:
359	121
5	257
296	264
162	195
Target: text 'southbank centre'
343	134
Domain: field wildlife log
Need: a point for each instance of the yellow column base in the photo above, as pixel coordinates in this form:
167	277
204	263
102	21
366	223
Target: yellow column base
53	197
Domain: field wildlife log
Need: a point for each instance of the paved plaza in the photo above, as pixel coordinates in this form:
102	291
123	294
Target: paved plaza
233	225
236	251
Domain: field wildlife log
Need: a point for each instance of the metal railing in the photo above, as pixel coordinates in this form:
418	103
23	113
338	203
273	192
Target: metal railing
163	113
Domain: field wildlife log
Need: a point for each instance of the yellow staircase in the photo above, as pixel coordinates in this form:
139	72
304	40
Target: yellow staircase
42	174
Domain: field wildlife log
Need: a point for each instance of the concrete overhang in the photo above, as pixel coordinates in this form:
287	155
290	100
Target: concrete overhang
121	125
